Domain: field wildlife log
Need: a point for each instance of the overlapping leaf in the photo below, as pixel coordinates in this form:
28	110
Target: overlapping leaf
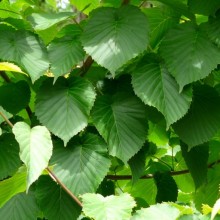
35	148
85	5
83	164
156	87
14	96
55	203
64	107
121	120
67	50
42	21
189	54
111	207
21	207
109	35
24	49
9	155
203	119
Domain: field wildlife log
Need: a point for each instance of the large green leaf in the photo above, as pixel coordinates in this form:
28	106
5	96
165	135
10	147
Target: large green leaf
109	35
21	207
156	87
14	96
203	119
9	155
161	19
83	164
55	203
25	49
111	207
167	190
159	211
121	120
42	21
64	107
35	148
67	50
188	53
197	167
13	186
206	8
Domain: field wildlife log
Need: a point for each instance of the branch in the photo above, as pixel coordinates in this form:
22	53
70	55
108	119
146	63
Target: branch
7	79
125	2
85	67
150	176
51	174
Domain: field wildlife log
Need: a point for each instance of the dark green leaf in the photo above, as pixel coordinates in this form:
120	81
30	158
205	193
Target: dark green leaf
14	96
121	120
109	35
203	119
83	164
64	107
9	155
55	203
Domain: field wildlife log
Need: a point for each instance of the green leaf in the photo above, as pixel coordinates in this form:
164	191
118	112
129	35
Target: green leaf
167	190
0	131
83	164
14	96
25	49
197	167
109	35
21	207
203	119
35	148
12	186
55	203
65	106
121	120
215	209
42	21
137	165
159	211
156	87
9	155
161	19
188	53
85	5
111	207
7	10
67	50
5	113
206	8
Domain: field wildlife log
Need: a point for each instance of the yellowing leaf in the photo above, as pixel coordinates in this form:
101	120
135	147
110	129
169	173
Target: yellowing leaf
5	66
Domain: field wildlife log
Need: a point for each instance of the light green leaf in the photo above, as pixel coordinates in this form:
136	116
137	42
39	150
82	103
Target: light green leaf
7	10
65	106
67	50
83	164
55	203
121	120
206	8
35	148
14	96
85	6
159	211
111	207
12	186
42	21
161	19
5	113
203	119
21	207
197	168
0	131
9	155
24	49
188	53
156	87
109	35
215	209
6	66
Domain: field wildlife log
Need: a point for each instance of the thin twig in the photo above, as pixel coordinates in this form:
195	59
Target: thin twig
86	66
53	176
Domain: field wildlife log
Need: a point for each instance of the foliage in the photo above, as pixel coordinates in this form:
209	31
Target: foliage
109	109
